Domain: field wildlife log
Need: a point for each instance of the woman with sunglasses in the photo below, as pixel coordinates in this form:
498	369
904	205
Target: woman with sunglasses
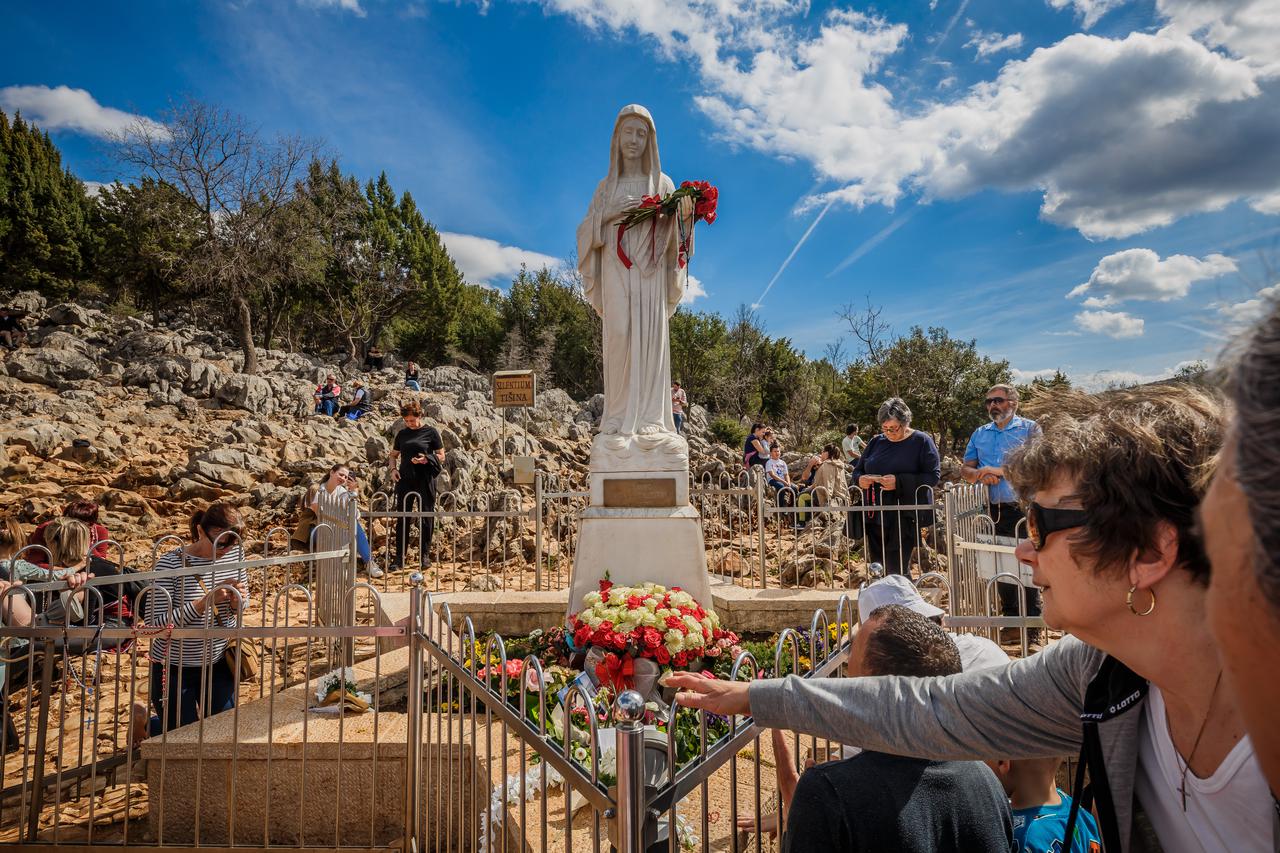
1135	689
191	678
898	468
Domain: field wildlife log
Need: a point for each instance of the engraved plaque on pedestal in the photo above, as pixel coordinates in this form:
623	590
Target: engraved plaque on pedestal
640	492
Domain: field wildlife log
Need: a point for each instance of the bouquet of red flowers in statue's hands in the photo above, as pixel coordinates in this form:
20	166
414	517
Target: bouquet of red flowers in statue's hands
693	200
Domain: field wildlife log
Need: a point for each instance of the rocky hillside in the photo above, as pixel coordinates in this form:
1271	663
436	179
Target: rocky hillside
154	421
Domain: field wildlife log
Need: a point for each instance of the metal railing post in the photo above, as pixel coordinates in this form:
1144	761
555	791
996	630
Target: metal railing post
413	733
630	810
949	515
764	582
537	531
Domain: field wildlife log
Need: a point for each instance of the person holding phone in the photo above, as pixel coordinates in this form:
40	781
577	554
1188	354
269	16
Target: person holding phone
341	487
414	466
899	467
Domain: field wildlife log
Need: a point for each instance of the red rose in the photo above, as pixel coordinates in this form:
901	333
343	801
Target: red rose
634	602
663	656
675	622
605	586
582	636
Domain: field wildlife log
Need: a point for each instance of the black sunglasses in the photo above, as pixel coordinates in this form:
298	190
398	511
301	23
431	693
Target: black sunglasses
997	400
1042	521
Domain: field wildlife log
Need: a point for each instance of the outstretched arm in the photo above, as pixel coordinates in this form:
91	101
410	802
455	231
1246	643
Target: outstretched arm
1029	709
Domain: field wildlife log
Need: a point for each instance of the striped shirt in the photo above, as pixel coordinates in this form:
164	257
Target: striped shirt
185	592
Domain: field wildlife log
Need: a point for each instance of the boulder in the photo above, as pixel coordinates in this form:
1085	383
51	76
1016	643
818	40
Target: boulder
42	438
71	314
50	367
252	393
28	300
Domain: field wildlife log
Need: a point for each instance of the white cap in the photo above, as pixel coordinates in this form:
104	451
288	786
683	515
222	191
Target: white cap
893	589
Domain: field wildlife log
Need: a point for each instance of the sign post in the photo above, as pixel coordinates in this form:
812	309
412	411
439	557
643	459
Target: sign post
516	389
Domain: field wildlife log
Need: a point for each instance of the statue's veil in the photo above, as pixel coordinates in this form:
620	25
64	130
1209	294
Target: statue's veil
588	253
652	164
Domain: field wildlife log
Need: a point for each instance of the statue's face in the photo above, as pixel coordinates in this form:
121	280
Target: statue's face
633	137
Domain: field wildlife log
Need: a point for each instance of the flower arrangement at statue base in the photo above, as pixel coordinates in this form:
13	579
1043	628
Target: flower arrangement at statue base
623	638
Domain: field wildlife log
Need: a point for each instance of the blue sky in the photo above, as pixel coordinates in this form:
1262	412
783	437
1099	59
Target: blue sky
1085	185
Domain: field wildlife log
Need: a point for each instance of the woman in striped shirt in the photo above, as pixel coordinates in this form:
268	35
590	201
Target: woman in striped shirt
179	668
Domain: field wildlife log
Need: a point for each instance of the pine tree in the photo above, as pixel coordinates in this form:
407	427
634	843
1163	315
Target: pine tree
44	214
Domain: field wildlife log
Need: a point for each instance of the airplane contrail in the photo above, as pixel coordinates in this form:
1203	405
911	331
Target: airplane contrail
872	241
799	243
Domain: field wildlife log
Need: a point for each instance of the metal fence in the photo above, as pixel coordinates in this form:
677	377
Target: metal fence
463	746
755	536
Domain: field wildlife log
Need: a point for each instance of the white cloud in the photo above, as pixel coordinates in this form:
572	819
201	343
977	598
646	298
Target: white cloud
693	288
1104	379
64	108
1022	377
1113	324
352	6
1248	29
1088	10
1246	312
485	261
988	43
1119	135
1139	274
92	188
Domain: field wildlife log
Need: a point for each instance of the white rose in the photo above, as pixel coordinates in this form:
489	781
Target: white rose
674	639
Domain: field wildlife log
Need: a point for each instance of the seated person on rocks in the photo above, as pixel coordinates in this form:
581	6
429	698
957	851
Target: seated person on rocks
778	476
338	489
83	510
828	483
374	359
1040	808
755	450
11	332
327	396
878	801
360	404
411	376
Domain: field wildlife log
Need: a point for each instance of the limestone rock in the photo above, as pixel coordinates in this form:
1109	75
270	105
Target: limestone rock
50	366
42	438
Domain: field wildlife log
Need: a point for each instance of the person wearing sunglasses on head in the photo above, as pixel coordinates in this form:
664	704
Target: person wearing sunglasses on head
1136	689
984	458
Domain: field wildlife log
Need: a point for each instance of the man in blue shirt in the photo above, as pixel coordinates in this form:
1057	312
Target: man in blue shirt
984	463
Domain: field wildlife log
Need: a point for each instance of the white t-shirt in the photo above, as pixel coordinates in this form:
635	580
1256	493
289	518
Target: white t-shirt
978	652
777	469
1229	812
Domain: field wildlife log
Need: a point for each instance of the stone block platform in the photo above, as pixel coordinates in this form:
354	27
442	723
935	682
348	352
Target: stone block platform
516	613
288	777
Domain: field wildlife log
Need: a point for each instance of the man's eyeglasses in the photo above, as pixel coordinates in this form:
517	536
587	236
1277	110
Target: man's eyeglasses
1042	521
996	401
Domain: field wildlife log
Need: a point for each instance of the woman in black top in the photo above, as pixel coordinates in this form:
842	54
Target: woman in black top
892	471
411	377
414	468
755	451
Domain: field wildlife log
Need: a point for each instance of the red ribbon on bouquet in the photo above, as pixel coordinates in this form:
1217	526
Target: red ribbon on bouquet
617	672
649	201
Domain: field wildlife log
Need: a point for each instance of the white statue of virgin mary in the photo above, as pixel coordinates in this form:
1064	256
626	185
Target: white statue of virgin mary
634	303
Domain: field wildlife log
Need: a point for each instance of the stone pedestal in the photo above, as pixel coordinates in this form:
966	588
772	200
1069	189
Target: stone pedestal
640	527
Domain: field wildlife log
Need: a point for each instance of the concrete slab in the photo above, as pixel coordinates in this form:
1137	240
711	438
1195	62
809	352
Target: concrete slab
269	772
742	610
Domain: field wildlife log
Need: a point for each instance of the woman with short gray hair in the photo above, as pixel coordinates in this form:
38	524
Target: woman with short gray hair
899	467
894	409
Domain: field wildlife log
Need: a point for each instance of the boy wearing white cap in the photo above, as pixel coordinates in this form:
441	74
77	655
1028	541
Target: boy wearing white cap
975	652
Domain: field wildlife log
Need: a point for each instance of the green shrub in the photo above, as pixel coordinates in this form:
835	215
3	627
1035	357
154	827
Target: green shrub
728	431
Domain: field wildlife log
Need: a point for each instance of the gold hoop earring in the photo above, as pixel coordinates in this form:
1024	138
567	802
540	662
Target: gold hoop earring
1128	599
